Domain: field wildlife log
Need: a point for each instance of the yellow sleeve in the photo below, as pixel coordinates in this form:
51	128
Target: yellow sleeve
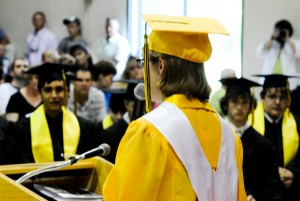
239	159
140	165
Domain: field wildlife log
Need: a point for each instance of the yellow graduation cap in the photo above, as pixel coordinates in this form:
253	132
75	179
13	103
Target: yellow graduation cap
183	37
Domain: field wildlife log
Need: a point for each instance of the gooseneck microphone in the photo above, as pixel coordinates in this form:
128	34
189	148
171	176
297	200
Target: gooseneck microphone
139	103
101	150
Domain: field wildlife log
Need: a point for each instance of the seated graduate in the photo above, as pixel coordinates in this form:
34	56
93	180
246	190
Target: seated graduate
260	170
273	120
118	129
52	130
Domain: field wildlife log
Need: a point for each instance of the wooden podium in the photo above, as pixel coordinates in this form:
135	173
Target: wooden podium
89	174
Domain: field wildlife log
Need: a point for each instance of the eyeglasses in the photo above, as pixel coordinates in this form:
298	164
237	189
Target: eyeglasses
273	97
151	58
140	62
58	89
21	65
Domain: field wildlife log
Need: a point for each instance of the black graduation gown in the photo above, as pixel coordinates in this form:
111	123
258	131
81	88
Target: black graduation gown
91	136
8	152
273	132
116	131
259	167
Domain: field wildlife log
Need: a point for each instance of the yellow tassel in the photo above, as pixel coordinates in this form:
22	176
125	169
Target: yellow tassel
147	73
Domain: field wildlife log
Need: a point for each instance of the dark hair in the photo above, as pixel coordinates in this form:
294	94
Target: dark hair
39	13
12	66
76	47
105	68
283	90
182	77
83	69
130	60
47	79
229	96
285	24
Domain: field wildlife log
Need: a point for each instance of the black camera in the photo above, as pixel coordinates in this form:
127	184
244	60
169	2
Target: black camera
282	34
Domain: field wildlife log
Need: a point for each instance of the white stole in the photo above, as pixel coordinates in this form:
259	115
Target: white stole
208	185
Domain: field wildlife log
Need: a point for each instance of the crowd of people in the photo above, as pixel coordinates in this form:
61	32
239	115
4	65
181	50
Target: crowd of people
65	98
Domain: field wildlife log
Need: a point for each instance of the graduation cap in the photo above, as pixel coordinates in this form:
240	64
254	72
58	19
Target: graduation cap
276	80
238	85
183	37
49	72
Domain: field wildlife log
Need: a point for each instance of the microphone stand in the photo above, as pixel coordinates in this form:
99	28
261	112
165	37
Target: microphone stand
49	168
105	148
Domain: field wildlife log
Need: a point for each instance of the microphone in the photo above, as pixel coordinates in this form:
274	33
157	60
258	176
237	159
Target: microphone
102	150
139	103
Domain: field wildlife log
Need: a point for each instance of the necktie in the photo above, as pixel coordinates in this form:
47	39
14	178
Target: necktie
277	68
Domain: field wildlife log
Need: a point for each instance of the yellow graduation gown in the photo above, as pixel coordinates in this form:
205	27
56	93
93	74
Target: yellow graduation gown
147	168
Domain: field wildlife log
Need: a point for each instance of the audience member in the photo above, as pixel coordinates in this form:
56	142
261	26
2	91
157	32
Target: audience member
104	71
273	120
10	50
280	52
39	41
66	59
82	56
25	101
49	56
116	107
114	48
75	35
4	39
4	61
119	127
52	131
16	71
217	95
134	70
86	100
260	170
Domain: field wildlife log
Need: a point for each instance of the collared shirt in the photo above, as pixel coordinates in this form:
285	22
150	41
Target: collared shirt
272	120
116	48
239	131
288	59
93	108
37	44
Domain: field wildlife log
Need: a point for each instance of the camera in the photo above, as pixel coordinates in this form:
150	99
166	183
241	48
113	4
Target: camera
282	34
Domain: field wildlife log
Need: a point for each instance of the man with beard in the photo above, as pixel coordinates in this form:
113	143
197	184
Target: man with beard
17	70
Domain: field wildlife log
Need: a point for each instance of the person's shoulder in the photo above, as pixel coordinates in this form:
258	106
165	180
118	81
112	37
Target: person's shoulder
258	141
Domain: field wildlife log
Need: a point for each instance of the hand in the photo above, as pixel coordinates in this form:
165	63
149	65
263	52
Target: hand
250	198
286	177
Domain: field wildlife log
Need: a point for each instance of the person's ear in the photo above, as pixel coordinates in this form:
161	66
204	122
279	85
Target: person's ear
161	65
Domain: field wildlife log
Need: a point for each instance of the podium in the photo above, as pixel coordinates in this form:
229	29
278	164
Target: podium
89	174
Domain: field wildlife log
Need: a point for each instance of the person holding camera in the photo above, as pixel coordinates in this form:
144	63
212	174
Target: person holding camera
280	52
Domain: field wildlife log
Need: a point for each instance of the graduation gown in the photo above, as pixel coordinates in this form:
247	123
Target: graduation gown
259	167
147	168
116	132
91	136
273	132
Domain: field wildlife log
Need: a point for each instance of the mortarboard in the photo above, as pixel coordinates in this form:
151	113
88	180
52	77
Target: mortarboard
238	85
49	72
183	37
45	69
275	80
